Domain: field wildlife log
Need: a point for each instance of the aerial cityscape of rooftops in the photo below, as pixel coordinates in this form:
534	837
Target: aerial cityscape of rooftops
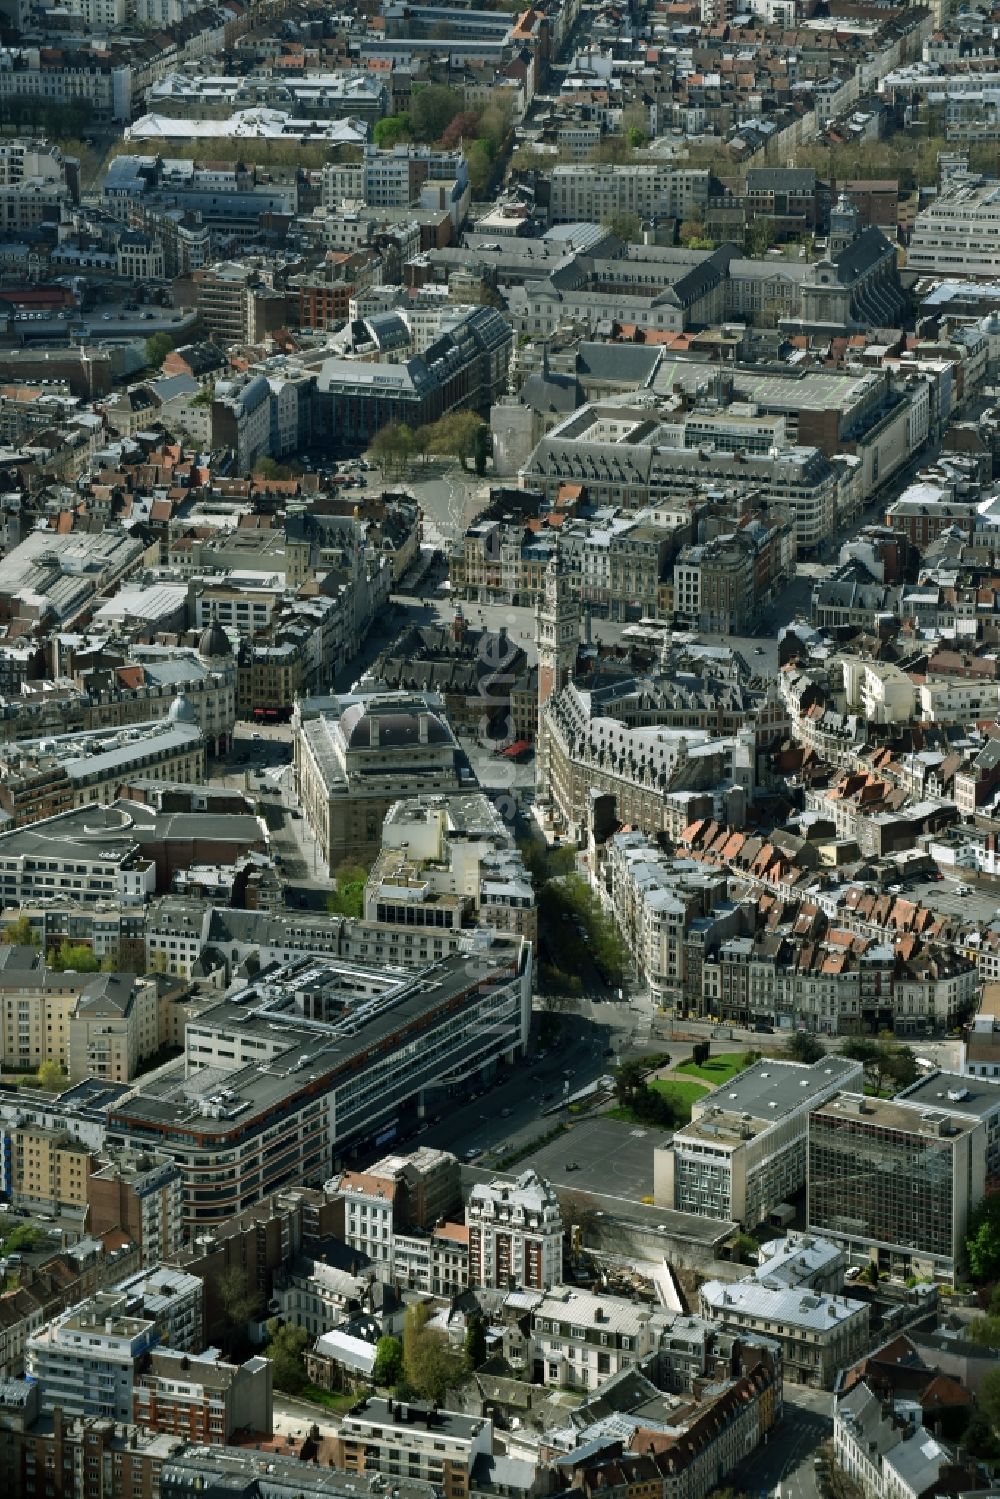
499	749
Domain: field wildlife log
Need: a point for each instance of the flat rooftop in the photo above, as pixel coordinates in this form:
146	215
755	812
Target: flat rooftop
769	1089
304	1055
905	1115
955	1093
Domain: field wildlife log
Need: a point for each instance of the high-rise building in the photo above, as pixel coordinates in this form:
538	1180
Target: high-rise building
893	1181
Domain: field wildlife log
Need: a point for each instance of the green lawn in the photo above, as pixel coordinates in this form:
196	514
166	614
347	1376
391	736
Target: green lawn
327	1398
681	1094
717	1070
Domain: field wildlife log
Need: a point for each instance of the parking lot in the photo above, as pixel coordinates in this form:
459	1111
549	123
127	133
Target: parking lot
975	903
601	1155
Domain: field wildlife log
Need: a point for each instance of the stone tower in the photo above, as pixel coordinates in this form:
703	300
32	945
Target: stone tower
557	639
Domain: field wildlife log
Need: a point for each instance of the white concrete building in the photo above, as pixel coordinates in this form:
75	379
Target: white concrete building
744	1151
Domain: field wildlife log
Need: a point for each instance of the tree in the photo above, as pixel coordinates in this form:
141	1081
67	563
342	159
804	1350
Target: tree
902	1066
464	126
613	150
239	1300
390	131
285	1349
388	1361
630	1079
75	956
482	451
392	447
21	933
625	226
479	159
989	1398
349	897
883	1062
744	1249
51	1076
158	346
985	1331
805	1047
693	236
700	1053
432	109
455	435
270	468
23	1238
475	1342
430	1365
982	1242
757	238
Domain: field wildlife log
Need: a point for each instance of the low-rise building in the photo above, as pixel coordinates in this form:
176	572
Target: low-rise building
434	1445
818	1333
202	1398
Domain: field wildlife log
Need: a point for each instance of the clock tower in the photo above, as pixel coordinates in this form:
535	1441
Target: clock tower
557	638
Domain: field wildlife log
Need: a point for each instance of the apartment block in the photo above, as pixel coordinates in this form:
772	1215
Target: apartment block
515	1234
436	1446
51	1170
85	1360
100	1458
93	1025
172	1298
138	1192
202	1398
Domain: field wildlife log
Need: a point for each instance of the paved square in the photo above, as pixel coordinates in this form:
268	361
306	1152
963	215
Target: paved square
613	1158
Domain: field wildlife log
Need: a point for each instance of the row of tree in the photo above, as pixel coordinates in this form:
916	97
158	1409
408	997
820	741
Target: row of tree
458	434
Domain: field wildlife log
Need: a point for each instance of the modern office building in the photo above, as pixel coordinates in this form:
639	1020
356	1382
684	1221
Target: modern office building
744	1152
958	233
967	1096
893	1181
515	1234
275	1080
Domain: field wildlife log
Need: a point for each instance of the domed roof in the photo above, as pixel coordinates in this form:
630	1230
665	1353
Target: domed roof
393	727
214	641
182	711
